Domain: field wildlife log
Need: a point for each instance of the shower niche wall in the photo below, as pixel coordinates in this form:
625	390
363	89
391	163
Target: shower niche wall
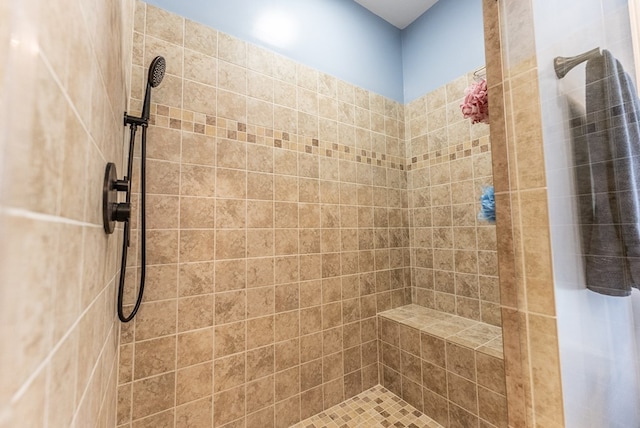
288	211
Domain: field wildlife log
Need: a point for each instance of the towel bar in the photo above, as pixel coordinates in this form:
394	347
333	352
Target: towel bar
563	65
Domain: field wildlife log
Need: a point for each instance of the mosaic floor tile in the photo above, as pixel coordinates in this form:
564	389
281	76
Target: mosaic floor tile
374	408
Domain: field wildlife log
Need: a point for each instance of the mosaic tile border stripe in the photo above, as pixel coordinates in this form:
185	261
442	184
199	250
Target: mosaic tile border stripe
200	123
459	151
173	118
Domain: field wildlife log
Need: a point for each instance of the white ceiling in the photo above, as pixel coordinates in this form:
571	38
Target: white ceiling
400	13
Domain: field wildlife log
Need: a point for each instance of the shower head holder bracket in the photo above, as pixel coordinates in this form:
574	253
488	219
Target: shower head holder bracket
135	121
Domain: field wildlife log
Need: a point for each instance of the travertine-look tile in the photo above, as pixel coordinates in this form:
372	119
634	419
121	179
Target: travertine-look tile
154	357
196	413
153	395
195	347
193	383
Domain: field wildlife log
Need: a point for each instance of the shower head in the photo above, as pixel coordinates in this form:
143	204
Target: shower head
156	71
156	74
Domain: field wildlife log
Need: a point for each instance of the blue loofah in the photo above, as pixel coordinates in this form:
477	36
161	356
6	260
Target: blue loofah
487	205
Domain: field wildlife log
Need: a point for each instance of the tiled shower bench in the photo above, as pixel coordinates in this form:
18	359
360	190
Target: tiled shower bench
449	367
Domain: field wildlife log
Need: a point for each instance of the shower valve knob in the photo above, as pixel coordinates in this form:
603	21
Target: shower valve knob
121	212
121	185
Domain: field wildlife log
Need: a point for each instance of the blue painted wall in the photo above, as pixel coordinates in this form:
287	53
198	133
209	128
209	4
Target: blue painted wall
338	37
342	38
441	45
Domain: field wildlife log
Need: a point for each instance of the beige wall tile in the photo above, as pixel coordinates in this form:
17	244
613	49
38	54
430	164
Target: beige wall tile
287	383
195	347
199	97
492	407
263	418
230	214
229	339
260	243
200	38
260	272
260	395
154	357
197	413
195	312
232	50
230	275
260	362
230	306
163	419
153	395
228	405
197	180
193	383
197	213
155	319
260	332
288	411
200	68
164	25
197	245
230	244
232	106
229	372
197	149
461	360
195	279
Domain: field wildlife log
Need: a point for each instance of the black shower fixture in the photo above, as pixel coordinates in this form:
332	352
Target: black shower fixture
114	211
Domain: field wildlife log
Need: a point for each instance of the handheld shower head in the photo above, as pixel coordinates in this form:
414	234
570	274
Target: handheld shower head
156	74
122	212
156	71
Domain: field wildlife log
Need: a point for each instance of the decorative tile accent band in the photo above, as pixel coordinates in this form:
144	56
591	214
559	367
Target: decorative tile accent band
169	117
464	150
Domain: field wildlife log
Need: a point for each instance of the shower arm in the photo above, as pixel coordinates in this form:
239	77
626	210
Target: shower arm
563	65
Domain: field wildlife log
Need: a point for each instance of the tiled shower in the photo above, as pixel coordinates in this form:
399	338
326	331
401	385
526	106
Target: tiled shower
281	222
314	255
277	229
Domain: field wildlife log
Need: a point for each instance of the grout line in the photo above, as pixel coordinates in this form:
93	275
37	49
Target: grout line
32	215
215	244
177	315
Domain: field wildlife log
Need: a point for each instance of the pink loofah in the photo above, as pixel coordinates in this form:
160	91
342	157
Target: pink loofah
475	104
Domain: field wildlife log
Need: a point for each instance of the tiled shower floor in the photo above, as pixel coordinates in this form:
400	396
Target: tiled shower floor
374	408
